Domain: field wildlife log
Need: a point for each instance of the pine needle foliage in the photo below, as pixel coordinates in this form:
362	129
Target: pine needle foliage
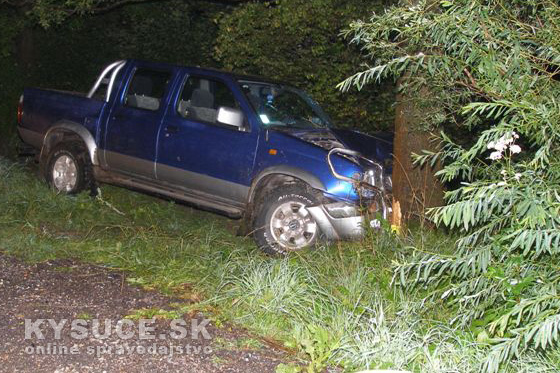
492	68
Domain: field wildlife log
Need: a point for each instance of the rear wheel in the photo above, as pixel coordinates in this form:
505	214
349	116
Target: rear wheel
283	224
69	169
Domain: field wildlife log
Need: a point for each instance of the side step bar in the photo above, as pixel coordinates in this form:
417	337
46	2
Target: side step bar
196	199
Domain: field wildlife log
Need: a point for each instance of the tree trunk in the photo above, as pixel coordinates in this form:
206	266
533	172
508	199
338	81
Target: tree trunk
414	188
25	52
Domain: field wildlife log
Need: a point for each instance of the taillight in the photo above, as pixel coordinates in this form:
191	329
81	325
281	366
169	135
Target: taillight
20	110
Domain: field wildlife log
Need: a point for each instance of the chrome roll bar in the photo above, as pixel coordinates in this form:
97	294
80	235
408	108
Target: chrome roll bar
115	67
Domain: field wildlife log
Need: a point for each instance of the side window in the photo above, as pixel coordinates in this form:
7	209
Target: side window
147	89
201	98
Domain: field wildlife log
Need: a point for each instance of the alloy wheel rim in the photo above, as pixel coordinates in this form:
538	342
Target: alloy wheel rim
292	226
64	173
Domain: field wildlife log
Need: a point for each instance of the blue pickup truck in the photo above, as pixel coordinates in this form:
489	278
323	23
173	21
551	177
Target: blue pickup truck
244	146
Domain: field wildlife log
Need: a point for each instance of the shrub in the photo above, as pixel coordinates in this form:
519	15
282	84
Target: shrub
492	69
298	41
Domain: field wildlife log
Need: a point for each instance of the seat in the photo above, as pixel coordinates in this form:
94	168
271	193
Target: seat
143	102
202	106
202	98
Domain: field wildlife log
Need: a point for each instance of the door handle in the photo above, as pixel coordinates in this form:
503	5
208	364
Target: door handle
171	129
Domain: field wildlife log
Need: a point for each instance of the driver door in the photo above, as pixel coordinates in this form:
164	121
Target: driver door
196	151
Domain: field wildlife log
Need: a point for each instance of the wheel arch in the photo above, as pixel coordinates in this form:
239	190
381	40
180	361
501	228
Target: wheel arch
267	180
66	131
282	175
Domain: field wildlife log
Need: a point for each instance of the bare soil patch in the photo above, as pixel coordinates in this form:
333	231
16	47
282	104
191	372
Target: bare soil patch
65	289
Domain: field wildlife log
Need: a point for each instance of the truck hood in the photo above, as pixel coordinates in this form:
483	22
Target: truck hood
378	146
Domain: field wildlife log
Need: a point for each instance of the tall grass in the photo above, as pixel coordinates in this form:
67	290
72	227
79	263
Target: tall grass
335	305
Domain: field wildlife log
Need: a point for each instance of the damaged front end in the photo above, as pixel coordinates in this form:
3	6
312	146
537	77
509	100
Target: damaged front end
340	220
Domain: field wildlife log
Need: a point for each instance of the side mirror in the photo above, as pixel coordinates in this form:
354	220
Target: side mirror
231	117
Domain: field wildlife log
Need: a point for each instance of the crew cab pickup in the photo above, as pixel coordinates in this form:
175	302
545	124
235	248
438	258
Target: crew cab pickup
247	147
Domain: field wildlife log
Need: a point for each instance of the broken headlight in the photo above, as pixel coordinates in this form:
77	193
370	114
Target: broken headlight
372	177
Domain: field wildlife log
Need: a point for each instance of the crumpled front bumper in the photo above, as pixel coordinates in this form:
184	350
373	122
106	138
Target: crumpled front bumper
341	221
345	221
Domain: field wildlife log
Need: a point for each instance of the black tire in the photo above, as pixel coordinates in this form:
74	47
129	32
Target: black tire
293	194
77	154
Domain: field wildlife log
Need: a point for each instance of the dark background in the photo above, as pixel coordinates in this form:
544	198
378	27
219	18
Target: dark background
297	41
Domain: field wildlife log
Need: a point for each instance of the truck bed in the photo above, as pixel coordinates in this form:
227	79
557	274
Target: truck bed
42	108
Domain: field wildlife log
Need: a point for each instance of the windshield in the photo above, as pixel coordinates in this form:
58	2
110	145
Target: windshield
282	106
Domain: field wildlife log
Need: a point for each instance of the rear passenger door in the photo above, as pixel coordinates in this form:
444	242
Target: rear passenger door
132	127
200	153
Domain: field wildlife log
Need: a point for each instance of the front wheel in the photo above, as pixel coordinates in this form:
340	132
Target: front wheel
283	224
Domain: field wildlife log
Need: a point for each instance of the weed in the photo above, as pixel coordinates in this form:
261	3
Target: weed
153	313
84	316
288	368
219	361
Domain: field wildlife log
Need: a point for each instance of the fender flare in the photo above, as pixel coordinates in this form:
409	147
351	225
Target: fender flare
75	128
298	173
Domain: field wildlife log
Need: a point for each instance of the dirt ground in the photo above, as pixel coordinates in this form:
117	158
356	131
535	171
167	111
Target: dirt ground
66	290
